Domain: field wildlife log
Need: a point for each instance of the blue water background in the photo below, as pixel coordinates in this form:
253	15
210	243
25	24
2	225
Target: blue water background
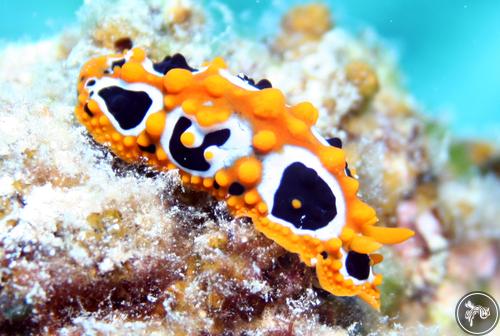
449	50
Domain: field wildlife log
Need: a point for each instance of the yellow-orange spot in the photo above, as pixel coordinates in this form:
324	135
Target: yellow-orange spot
155	124
263	221
333	245
208	155
218	63
190	106
336	265
138	54
195	179
187	139
160	154
268	103
249	171
129	141
206	117
103	120
116	136
296	203
306	112
82	98
347	234
169	102
264	140
332	158
208	182
83	116
251	197
285	231
215	85
177	80
231	201
132	72
185	178
222	178
93	106
143	140
315	242
262	208
297	127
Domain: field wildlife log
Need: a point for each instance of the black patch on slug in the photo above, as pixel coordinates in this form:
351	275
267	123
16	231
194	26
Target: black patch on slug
236	189
216	185
358	265
127	107
194	158
324	254
172	62
335	142
91	82
87	110
118	63
262	84
318	201
347	170
148	149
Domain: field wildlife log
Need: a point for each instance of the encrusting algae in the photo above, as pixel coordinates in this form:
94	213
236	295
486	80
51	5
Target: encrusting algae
128	240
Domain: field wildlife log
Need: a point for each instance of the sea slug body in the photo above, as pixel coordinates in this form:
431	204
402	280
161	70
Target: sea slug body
238	140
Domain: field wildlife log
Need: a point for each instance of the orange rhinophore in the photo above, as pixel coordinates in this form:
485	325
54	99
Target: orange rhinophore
240	141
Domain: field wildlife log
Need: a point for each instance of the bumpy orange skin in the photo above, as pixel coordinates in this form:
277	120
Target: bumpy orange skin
274	124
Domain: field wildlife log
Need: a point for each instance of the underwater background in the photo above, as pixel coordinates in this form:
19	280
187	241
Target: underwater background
448	50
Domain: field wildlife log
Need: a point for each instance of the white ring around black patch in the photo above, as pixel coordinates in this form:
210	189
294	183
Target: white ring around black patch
151	101
225	150
275	164
356	266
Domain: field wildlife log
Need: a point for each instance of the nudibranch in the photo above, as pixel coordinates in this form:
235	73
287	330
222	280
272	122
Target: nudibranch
238	140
